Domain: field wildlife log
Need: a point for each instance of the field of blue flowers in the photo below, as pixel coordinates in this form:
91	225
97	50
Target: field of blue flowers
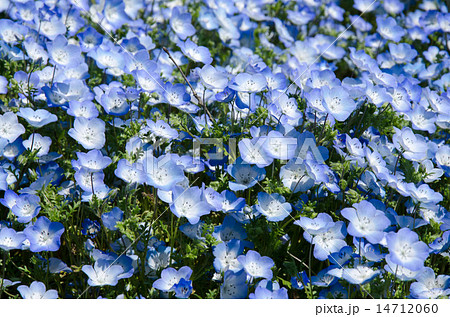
224	149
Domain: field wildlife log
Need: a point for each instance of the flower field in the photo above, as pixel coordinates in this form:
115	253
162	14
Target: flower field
224	149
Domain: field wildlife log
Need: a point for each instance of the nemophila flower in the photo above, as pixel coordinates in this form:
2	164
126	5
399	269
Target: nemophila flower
338	103
3	85
90	133
234	285
253	151
132	173
187	203
422	119
162	129
12	32
40	144
314	226
230	202
342	257
428	286
294	176
94	160
264	293
10	128
413	146
361	274
89	39
37	118
110	57
44	235
175	94
110	219
88	180
442	157
90	228
197	53
63	54
366	221
212	78
402	52
365	5
9	199
10	239
389	29
183	288
37	290
245	82
372	253
102	273
181	23
4	283
424	194
161	172
115	102
377	94
158	257
278	146
273	206
171	277
245	175
256	265
329	241
26	207
406	250
229	229
54	265
226	254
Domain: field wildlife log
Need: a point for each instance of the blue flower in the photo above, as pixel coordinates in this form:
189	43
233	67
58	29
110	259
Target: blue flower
44	235
188	203
245	82
256	265
171	277
406	250
234	285
162	172
226	254
197	53
94	161
359	275
26	207
85	109
366	221
40	144
10	239
132	173
90	133
388	29
273	206
102	273
37	290
181	23
115	102
428	286
182	289
338	103
213	78
10	128
37	118
229	229
110	219
245	175
63	54
90	228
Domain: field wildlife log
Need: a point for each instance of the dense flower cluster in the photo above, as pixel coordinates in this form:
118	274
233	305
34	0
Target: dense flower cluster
224	149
